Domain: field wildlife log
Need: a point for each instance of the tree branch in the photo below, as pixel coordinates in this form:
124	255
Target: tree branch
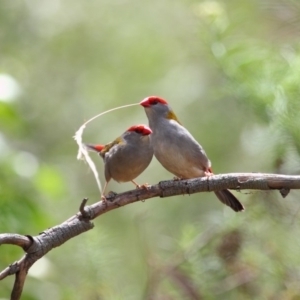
38	246
234	181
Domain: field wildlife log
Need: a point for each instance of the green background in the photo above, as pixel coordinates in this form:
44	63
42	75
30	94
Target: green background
229	69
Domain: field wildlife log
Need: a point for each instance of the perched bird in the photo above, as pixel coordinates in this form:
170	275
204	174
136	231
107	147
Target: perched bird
127	156
177	150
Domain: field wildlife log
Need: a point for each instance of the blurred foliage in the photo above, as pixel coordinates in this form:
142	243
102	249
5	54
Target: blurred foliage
230	69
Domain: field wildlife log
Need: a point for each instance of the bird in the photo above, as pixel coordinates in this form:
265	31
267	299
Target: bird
126	157
177	150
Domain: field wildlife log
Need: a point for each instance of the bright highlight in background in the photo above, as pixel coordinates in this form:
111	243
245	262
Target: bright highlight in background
9	88
25	164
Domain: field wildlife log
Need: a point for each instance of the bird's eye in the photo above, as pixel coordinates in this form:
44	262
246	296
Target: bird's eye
138	131
153	102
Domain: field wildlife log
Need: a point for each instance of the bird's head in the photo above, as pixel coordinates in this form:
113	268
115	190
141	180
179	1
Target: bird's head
156	107
137	134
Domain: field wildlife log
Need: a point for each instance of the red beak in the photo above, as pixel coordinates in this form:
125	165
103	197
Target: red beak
145	102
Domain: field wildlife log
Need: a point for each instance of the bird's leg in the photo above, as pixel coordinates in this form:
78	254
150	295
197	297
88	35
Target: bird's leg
143	186
103	192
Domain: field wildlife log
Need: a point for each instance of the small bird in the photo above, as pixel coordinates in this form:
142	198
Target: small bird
127	156
177	150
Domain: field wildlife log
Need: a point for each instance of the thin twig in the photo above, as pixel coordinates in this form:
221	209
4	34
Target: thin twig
15	239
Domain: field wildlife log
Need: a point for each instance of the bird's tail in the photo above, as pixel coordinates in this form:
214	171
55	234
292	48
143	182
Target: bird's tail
230	200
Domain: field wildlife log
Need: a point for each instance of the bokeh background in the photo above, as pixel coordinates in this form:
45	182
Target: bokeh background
231	71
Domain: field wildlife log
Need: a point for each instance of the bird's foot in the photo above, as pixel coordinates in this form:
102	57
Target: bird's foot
208	174
144	186
109	197
177	178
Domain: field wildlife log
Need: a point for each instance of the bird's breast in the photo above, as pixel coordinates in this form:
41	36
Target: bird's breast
180	154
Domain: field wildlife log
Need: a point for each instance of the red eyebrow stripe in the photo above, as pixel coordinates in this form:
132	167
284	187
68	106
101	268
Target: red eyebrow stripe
156	98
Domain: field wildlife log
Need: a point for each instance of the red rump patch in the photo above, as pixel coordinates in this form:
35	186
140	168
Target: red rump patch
98	147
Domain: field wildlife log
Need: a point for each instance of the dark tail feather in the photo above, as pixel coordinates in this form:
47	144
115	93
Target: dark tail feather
230	200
